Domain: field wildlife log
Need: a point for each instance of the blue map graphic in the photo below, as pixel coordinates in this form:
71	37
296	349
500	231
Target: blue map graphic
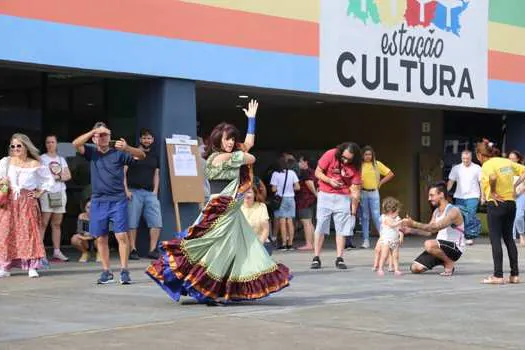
454	24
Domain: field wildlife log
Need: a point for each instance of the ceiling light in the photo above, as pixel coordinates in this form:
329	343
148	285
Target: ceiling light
243	96
90	104
319	102
238	106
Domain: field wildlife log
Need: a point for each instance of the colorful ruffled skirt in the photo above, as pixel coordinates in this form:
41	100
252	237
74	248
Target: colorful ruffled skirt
220	257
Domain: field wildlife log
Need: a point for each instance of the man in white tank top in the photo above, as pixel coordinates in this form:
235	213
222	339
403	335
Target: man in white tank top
449	244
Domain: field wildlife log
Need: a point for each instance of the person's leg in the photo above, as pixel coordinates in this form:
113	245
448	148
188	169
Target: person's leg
283	229
472	223
119	217
384	255
375	209
153	218
508	239
308	228
318	243
56	229
291	231
432	247
365	215
135	207
46	217
495	222
123	247
78	243
395	259
103	250
377	255
519	222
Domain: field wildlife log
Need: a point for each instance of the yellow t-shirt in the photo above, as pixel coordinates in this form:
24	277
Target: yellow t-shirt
369	176
256	216
504	170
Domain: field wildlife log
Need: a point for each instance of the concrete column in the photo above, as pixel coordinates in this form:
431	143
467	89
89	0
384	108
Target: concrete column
167	106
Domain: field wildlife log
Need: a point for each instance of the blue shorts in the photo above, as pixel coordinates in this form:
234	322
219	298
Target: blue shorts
287	208
143	201
104	212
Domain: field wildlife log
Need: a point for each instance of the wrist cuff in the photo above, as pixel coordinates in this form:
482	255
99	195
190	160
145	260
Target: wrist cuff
251	126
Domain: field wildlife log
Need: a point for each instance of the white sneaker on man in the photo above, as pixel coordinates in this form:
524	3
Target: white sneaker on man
32	273
4	273
366	244
469	242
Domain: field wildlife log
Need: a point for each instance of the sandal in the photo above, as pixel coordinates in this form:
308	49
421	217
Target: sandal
448	273
493	280
514	280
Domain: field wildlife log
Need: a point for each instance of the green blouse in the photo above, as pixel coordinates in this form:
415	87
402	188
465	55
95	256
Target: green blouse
228	170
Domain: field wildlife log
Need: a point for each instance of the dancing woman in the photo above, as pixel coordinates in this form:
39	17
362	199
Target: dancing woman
220	257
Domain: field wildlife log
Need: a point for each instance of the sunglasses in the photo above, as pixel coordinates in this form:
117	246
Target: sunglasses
15	146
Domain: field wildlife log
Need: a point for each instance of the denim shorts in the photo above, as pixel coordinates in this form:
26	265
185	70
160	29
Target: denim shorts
287	208
105	212
143	201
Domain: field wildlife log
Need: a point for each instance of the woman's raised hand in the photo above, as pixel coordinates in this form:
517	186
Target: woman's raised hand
252	109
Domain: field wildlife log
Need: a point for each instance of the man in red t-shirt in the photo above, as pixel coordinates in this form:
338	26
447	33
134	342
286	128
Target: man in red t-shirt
339	174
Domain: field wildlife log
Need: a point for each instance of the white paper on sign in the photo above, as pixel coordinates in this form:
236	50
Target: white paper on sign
182	149
185	164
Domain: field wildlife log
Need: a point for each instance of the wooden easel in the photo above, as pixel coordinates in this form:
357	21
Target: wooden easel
184	189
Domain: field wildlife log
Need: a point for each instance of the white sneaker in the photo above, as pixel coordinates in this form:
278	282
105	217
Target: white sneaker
32	273
469	242
366	244
59	256
4	273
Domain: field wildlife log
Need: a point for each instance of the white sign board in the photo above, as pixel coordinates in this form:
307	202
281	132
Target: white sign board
427	51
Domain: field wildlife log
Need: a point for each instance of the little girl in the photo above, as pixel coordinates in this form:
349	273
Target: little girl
390	237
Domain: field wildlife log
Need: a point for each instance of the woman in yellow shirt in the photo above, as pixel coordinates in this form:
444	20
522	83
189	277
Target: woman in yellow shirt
257	216
374	174
497	183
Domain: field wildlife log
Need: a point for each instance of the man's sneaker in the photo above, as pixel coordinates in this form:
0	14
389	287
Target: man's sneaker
57	255
316	263
105	278
154	254
290	247
124	277
134	255
469	242
366	244
283	247
4	273
340	263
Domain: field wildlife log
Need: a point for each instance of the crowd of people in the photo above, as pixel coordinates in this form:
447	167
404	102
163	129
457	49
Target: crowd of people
226	254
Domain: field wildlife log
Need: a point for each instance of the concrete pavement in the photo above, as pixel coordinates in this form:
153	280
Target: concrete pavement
325	309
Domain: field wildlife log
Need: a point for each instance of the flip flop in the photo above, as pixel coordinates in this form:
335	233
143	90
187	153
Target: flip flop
493	280
448	273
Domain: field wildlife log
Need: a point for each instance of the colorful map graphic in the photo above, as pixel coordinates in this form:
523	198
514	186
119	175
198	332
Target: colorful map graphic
441	14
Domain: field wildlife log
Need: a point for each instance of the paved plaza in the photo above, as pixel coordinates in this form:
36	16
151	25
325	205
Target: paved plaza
325	309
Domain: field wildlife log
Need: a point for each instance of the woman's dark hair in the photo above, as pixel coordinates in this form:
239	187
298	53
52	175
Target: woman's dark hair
368	148
146	132
518	155
487	149
352	148
215	140
305	158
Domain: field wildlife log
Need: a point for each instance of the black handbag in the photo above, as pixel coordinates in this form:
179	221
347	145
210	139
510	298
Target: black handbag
276	200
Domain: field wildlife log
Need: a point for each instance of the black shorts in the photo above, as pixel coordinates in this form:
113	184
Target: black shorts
429	261
305	213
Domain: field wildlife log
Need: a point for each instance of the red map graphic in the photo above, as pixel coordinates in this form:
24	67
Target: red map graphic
413	13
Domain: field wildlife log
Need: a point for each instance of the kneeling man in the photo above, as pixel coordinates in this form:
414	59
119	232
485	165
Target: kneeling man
449	244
